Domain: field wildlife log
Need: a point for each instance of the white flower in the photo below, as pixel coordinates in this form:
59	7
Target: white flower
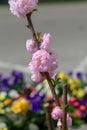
85	89
3	95
13	93
3	126
33	127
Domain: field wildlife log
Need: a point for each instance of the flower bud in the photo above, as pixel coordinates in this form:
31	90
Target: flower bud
57	113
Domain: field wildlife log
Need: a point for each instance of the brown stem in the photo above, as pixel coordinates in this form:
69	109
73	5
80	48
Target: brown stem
48	116
65	107
52	87
30	26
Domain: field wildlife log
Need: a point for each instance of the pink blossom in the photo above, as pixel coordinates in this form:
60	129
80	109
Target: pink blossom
42	61
69	120
57	113
46	40
59	124
30	46
37	77
22	7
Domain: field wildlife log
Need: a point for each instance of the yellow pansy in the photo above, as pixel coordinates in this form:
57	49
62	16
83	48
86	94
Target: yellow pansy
20	106
80	93
2	98
4	128
7	102
74	92
73	87
74	83
2	111
63	76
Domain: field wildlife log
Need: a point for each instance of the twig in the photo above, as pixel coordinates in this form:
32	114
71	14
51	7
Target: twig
30	26
48	116
65	107
52	88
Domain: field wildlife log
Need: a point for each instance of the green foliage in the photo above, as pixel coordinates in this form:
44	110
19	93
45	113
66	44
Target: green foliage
77	121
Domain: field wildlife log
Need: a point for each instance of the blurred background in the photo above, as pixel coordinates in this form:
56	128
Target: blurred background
66	20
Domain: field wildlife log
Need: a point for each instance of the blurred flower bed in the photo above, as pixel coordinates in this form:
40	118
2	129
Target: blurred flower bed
21	104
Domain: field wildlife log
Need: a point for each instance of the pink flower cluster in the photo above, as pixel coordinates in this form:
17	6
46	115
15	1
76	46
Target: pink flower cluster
22	7
30	46
57	114
46	40
43	60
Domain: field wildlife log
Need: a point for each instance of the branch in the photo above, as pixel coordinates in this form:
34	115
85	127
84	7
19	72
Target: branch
48	116
65	107
52	87
30	26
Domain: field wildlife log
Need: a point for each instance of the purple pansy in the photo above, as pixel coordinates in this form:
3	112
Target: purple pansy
36	101
4	84
70	73
79	75
83	101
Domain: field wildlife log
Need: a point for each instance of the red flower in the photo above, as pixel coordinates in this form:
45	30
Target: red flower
82	108
78	114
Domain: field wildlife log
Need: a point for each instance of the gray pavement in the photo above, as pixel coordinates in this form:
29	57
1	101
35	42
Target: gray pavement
67	24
